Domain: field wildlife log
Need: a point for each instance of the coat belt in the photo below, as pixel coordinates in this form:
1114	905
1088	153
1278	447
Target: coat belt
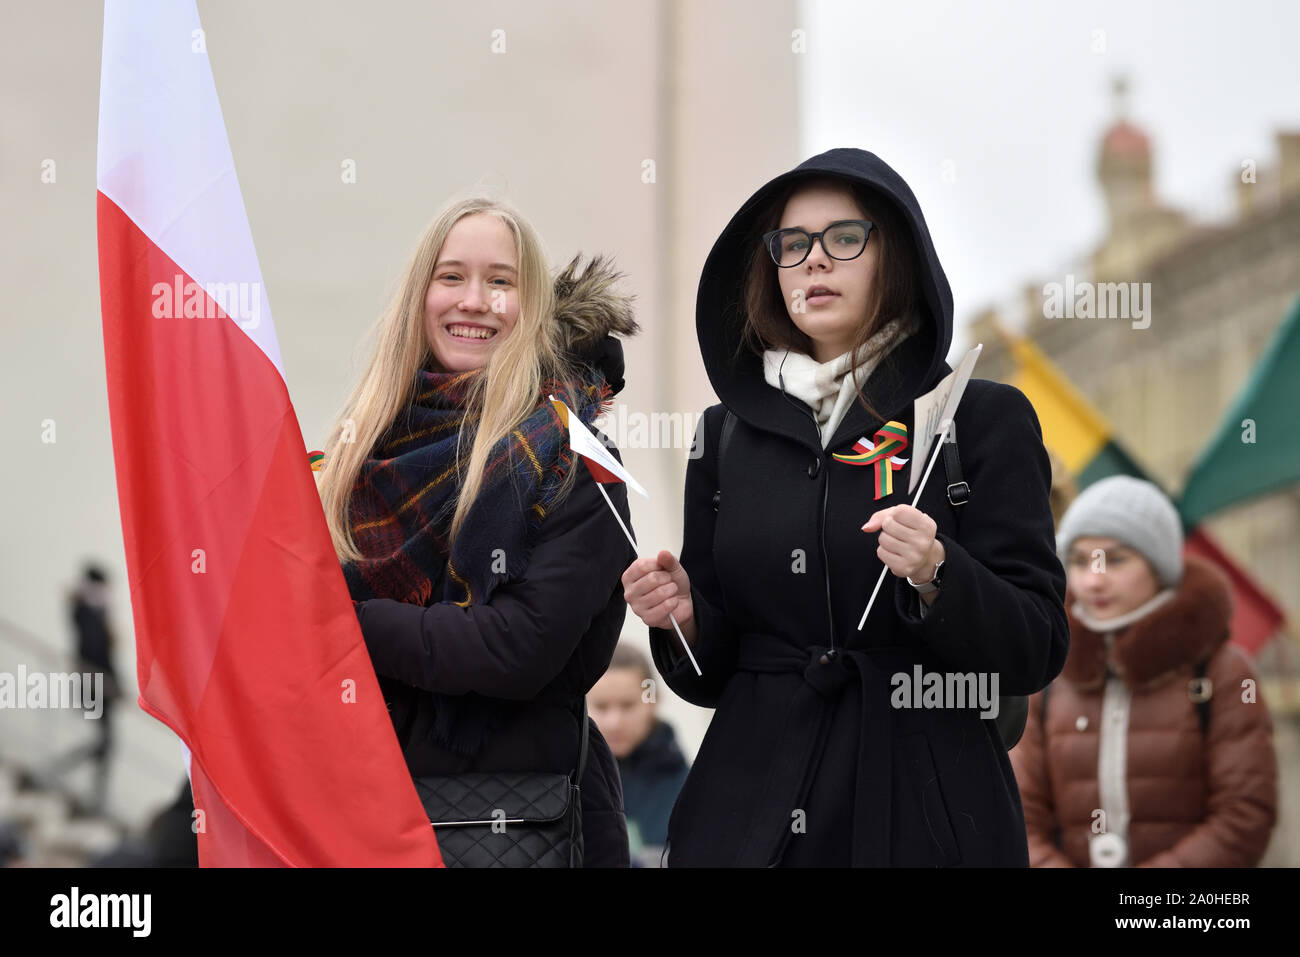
826	674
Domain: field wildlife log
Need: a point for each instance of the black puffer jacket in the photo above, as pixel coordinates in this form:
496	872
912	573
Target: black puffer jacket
536	646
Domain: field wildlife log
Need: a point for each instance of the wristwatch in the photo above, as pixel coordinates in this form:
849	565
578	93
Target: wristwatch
924	588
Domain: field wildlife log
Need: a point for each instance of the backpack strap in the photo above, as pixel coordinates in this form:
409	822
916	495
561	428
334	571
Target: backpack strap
1201	690
1204	691
958	489
585	733
728	427
1013	710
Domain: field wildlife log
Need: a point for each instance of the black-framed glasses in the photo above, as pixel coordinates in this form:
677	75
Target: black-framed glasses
842	240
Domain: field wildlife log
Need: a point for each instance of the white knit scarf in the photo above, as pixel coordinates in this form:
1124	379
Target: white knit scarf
827	387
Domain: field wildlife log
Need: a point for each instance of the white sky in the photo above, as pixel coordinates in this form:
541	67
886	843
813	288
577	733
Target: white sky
1012	93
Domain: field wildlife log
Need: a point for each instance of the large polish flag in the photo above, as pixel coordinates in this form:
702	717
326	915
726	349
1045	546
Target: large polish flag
248	647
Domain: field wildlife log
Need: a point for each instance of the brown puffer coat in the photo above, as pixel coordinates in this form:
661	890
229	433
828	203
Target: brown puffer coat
1194	800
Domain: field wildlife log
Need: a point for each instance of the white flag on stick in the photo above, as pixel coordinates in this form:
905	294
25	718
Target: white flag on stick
933	416
605	468
929	410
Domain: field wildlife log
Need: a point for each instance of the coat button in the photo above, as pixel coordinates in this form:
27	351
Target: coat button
1081	723
815	468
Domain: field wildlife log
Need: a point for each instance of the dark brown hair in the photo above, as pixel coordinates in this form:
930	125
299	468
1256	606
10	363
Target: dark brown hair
895	288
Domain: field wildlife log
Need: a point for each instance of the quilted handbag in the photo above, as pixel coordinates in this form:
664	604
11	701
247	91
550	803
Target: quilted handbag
508	818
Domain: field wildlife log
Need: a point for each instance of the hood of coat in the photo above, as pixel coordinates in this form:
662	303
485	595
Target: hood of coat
736	373
1184	630
591	312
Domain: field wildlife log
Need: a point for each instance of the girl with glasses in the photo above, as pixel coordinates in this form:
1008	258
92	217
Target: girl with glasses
823	312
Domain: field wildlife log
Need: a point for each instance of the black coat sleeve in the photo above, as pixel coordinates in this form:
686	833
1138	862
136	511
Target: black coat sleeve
715	646
1001	607
517	642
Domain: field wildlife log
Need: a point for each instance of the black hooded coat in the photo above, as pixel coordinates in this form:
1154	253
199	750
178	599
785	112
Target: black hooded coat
806	762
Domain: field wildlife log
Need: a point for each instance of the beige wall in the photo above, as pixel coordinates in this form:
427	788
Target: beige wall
411	92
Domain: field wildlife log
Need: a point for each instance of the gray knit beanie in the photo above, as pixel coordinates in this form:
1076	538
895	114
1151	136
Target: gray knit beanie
1134	512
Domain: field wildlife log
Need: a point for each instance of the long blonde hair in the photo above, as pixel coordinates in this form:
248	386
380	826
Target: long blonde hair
501	397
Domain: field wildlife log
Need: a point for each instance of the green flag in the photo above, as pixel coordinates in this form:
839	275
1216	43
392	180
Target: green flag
1256	449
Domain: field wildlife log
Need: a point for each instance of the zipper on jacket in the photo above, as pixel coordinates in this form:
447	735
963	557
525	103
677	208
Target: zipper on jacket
821	536
821	529
826	564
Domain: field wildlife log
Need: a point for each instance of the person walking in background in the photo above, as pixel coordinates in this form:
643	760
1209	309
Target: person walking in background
650	764
481	557
1153	747
88	611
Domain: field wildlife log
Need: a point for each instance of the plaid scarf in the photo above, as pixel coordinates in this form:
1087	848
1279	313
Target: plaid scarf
406	493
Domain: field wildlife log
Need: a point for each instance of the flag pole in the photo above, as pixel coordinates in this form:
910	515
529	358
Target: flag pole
676	627
934	456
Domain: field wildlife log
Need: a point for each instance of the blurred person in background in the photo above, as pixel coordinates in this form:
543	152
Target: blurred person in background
1152	748
88	610
651	765
481	558
13	850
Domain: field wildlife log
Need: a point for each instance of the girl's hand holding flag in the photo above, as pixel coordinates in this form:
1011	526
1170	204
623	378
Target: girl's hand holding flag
907	543
658	589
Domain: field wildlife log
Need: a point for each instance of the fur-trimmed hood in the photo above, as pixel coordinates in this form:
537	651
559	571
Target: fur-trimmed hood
1184	630
591	312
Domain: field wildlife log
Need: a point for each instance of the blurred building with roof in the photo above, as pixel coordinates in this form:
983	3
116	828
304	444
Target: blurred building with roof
1219	291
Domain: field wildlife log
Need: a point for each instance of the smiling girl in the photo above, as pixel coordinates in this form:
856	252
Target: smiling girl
483	564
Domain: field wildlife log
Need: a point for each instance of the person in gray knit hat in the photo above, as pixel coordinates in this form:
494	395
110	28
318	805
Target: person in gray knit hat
1152	747
1134	513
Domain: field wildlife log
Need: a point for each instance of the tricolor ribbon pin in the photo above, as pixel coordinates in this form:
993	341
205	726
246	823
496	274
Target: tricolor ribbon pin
890	439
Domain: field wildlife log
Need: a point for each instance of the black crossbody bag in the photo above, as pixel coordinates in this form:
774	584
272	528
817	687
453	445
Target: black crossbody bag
1013	710
508	818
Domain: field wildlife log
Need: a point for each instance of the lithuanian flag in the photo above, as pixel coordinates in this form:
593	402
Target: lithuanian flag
1256	449
1082	438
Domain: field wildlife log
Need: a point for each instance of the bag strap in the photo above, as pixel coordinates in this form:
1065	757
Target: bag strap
585	722
959	495
1203	703
958	488
728	427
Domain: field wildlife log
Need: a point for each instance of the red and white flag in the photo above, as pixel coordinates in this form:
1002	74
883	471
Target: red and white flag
604	468
247	643
607	470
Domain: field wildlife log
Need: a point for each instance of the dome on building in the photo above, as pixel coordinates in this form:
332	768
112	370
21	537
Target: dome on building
1123	139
